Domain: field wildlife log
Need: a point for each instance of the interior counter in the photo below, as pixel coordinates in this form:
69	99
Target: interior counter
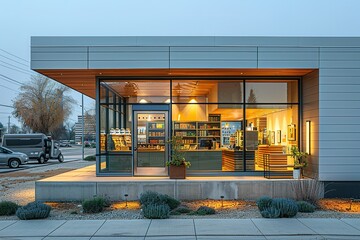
204	159
233	160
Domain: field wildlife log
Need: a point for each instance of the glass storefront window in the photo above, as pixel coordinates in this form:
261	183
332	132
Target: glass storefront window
270	129
271	91
225	125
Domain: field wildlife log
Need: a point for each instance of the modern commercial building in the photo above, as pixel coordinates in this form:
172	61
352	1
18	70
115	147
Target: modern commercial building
234	101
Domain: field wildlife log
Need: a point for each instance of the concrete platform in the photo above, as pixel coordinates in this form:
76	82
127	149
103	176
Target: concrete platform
83	184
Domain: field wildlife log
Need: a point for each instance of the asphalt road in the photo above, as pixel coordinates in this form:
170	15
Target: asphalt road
70	154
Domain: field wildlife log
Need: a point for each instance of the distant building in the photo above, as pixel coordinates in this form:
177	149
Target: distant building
89	128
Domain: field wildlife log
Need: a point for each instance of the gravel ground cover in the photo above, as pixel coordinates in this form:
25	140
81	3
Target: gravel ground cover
20	187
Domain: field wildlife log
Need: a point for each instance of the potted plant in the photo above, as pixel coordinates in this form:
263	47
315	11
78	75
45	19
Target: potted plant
300	161
177	163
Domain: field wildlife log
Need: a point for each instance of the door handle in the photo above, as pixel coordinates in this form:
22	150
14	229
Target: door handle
135	149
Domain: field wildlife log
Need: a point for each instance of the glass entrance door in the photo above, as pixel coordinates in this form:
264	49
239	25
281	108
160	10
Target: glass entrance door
150	148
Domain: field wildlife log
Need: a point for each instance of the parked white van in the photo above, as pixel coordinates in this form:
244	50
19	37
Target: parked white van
36	146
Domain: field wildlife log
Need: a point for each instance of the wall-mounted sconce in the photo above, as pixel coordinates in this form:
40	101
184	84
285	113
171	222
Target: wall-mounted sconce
143	101
308	143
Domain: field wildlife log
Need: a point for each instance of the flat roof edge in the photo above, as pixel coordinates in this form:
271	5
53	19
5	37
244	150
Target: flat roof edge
205	41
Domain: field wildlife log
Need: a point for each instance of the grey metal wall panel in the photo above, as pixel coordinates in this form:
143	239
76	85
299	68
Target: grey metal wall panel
213	57
353	96
286	57
339	80
340	104
338	144
59	56
59	49
58	64
128	57
339	72
340	114
127	64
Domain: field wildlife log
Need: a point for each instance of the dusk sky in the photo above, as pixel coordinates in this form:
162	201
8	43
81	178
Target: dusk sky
21	19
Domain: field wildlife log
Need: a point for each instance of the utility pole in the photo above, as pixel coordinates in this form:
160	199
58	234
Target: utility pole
82	124
8	125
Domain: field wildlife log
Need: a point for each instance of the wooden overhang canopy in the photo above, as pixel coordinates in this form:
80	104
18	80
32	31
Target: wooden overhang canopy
83	80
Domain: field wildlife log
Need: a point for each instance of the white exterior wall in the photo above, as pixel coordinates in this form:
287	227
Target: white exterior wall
337	129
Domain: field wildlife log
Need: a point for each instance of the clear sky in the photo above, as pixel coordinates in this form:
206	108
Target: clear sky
21	19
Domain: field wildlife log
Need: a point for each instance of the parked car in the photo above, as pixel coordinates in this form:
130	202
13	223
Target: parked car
12	159
64	144
36	146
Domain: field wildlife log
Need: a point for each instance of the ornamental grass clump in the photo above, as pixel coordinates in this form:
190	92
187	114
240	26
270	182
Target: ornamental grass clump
263	202
94	205
203	210
156	205
305	207
150	197
33	210
270	212
180	210
288	208
156	211
8	208
277	207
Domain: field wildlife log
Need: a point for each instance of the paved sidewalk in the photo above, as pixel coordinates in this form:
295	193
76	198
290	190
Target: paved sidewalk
183	229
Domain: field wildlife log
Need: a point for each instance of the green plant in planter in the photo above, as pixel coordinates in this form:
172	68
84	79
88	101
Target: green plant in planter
300	158
177	157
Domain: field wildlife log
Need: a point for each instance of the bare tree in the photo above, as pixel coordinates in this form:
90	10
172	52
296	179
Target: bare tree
42	104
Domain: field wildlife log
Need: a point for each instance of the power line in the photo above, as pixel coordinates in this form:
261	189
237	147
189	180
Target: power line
2	78
14	55
9	88
15	69
14	60
15	66
3	105
11	79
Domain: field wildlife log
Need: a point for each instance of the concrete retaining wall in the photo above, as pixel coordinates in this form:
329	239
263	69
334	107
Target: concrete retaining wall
180	189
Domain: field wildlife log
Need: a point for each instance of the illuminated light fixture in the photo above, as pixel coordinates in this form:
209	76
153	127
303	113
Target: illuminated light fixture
168	100
308	129
143	101
193	101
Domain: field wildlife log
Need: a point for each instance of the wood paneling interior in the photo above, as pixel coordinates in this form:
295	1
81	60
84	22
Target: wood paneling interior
83	80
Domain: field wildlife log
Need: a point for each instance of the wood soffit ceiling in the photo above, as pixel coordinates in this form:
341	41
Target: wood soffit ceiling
83	80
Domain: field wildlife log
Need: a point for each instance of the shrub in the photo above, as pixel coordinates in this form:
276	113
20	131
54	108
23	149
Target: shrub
270	212
90	158
150	197
33	210
8	208
180	210
203	210
172	202
263	203
287	207
156	211
94	205
305	207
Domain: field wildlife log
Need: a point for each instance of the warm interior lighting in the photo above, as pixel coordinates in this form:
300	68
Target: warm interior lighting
193	101
308	125
143	101
167	100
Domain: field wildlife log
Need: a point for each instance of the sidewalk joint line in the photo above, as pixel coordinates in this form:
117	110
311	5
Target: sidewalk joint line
147	230
98	229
